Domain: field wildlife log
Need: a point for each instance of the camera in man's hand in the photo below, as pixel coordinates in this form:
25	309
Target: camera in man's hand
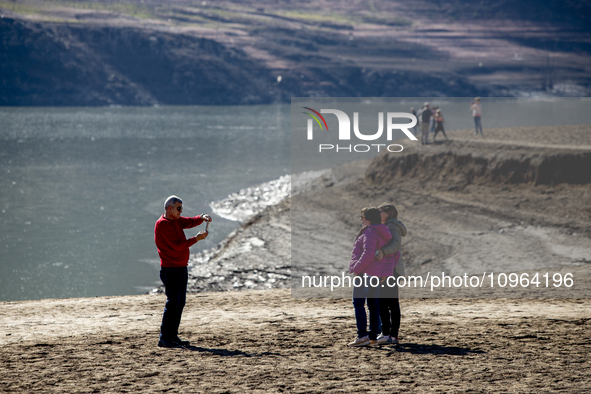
202	235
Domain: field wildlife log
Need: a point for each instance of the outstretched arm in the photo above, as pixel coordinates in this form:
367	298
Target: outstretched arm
194	221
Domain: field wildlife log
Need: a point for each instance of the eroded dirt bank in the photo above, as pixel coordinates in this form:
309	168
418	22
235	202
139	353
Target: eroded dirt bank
460	218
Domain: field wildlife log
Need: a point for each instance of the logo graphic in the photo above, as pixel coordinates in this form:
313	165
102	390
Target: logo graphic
345	129
315	118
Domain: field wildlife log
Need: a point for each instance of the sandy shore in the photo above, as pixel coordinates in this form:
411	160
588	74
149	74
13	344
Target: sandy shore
268	341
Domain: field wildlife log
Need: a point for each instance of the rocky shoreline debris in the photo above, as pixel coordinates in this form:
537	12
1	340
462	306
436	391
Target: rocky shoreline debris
247	202
257	255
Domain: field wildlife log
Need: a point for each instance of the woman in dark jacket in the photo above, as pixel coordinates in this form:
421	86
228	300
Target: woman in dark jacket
389	305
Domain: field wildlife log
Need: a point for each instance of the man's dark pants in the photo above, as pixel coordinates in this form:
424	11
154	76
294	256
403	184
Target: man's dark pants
175	284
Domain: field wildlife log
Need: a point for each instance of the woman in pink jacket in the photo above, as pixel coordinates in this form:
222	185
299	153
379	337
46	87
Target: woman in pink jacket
369	273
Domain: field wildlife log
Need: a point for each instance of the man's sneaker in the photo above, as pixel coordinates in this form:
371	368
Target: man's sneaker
163	342
181	342
384	339
394	341
364	341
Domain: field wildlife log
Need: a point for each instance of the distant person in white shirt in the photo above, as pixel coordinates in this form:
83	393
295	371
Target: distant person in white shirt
477	115
425	117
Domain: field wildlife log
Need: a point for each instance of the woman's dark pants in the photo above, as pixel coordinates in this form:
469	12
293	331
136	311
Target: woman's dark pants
390	316
175	284
360	295
390	309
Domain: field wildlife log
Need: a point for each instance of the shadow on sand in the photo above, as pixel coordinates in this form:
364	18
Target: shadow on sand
226	352
415	348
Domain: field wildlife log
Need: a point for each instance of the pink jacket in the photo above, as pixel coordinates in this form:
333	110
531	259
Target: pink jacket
370	239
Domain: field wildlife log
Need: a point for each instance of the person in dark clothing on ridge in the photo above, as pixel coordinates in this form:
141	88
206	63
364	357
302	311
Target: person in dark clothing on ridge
439	120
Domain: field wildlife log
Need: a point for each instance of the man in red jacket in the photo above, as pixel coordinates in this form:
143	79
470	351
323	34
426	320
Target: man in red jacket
173	249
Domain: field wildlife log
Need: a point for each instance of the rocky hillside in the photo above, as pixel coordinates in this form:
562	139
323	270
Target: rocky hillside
57	64
60	64
195	52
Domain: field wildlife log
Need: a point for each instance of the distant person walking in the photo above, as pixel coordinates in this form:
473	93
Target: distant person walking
369	272
389	305
477	115
173	250
415	131
426	115
433	111
439	120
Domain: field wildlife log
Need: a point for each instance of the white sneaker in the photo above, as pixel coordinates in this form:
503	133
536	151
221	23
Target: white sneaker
364	341
384	339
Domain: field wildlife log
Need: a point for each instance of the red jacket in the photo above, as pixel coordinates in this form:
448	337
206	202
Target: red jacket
173	246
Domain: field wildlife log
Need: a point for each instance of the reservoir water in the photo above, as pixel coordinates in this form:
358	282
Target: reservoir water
81	188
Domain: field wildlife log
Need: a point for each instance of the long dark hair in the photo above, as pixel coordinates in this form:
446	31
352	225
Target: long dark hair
389	209
372	214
